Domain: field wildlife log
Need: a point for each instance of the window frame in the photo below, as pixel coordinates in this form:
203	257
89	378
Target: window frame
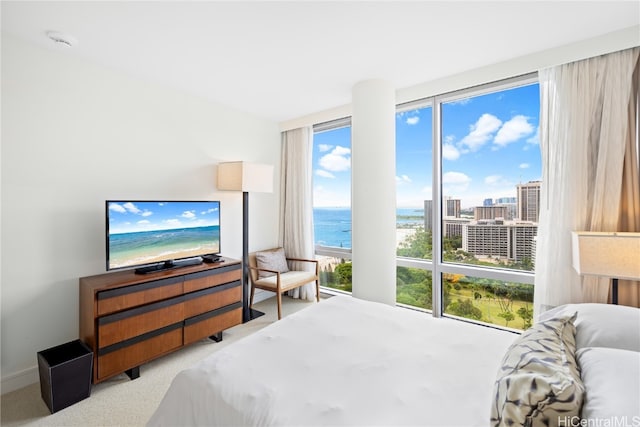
436	265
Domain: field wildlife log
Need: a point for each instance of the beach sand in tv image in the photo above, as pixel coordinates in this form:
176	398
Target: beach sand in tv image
153	232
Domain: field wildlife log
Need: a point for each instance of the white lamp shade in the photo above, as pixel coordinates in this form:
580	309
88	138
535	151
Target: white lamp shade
607	254
245	176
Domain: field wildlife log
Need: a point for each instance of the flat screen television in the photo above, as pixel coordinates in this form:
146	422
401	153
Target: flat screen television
157	235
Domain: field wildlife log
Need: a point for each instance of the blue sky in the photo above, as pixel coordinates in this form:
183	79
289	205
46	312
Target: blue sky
490	144
127	217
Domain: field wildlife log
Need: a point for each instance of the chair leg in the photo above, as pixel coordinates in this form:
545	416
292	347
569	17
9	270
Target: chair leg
318	290
253	289
279	305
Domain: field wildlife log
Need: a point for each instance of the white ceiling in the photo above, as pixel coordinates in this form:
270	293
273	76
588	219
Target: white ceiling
283	60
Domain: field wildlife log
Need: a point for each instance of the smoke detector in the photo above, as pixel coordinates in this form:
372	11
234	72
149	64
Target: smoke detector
61	39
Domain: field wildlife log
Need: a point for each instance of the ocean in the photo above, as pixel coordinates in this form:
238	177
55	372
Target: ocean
127	249
333	225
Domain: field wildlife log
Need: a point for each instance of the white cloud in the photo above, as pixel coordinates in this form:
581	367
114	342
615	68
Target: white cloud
524	166
188	214
513	130
143	222
403	178
173	222
146	213
413	120
130	207
337	160
450	152
116	208
481	131
323	173
324	147
455	182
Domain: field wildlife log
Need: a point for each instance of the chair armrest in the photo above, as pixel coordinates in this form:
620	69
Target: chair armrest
302	259
315	261
264	269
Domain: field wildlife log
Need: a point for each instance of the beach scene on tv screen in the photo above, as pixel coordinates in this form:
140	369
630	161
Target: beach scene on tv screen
151	232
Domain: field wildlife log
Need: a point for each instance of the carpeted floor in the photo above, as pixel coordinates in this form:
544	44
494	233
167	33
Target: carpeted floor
120	401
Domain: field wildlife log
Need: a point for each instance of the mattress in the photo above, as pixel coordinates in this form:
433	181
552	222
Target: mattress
344	361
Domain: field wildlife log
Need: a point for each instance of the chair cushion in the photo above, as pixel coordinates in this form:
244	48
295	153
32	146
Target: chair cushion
288	280
271	260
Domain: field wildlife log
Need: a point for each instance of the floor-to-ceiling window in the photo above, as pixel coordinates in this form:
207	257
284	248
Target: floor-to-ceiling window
468	173
332	202
414	182
490	196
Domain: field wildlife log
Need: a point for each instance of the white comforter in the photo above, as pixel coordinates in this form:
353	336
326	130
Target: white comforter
344	361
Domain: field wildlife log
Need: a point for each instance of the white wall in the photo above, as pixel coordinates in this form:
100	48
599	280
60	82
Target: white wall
611	42
75	134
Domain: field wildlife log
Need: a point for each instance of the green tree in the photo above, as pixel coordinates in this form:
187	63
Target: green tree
417	245
526	314
343	276
465	308
507	316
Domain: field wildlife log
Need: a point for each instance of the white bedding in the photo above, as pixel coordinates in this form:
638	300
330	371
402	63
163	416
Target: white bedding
344	361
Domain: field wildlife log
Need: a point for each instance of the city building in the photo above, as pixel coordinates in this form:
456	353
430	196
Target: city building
499	239
489	212
529	201
451	210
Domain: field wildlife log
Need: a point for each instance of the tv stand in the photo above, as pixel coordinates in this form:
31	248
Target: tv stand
129	319
169	265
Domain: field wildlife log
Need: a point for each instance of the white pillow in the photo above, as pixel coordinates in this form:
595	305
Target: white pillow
612	381
603	325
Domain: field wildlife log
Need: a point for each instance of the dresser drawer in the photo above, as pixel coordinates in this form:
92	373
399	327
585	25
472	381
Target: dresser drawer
206	279
130	354
207	324
113	300
213	298
134	322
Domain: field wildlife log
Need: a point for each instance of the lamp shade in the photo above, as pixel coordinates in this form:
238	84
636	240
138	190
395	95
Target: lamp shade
245	176
607	254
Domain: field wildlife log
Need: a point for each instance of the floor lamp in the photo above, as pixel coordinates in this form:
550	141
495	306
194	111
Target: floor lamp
607	254
248	178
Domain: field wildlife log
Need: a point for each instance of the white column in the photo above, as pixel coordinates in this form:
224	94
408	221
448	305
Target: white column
373	191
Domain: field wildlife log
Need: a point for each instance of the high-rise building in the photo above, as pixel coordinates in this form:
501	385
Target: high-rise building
487	202
451	210
428	215
452	227
451	207
511	210
489	212
529	201
513	241
506	200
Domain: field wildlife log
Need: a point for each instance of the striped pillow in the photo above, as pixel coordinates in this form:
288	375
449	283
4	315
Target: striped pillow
538	383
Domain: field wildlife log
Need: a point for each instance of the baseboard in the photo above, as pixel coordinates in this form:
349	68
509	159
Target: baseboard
18	380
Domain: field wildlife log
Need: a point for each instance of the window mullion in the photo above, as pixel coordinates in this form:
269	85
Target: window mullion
436	206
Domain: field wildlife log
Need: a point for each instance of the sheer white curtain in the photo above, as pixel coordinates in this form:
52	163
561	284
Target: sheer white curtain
584	124
296	202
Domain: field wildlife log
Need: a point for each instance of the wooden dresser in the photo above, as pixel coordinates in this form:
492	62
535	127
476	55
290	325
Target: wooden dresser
128	319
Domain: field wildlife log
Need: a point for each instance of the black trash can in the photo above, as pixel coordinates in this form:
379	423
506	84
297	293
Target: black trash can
65	374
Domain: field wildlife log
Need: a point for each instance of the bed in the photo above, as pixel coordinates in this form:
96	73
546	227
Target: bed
346	361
